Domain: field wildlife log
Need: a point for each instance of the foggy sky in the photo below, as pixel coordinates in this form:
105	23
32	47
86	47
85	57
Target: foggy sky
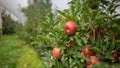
14	7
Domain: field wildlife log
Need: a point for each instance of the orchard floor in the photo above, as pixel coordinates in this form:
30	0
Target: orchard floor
15	54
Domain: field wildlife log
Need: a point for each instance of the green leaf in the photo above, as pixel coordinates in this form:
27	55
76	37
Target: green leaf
61	13
116	15
71	38
84	40
109	56
79	42
97	50
114	8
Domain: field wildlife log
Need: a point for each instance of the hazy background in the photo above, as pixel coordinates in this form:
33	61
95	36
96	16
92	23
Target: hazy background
14	7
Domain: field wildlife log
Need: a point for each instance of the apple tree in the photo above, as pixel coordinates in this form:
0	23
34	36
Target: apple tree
85	35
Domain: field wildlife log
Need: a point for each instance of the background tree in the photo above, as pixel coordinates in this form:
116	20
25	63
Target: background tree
0	22
10	26
34	28
34	13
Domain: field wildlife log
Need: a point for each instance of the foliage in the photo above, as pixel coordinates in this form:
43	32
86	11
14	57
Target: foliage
34	27
98	18
10	26
34	14
97	25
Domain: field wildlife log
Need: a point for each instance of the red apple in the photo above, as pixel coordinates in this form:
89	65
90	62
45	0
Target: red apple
114	36
90	53
91	34
88	63
94	59
72	44
56	52
70	27
87	51
115	54
101	31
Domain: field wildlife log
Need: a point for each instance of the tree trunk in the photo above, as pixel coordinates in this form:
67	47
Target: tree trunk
0	21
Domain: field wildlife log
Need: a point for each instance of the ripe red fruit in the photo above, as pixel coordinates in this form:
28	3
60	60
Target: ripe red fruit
90	53
87	51
114	36
72	44
70	27
56	52
91	34
115	54
94	59
88	63
101	31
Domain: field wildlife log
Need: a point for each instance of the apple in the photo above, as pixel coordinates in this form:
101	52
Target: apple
88	63
87	51
72	44
94	59
70	27
114	36
115	54
56	52
101	31
91	34
90	53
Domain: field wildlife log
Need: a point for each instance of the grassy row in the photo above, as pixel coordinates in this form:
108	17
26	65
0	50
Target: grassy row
14	54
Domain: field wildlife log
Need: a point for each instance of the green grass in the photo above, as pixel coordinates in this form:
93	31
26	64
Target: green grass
14	54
